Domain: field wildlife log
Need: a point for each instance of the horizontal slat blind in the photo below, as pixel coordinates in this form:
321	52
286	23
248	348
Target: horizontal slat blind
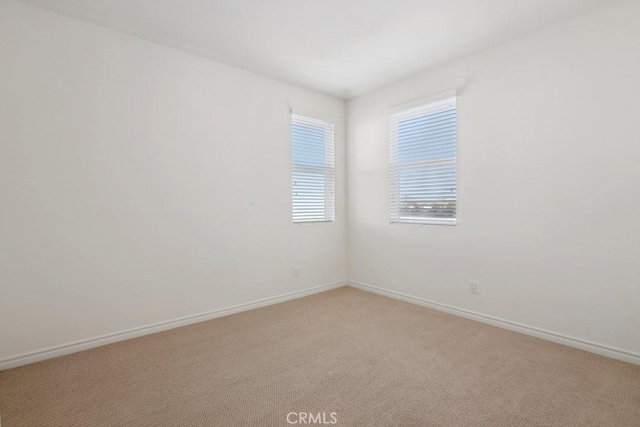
423	166
313	173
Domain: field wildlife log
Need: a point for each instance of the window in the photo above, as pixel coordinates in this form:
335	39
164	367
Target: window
423	169
313	173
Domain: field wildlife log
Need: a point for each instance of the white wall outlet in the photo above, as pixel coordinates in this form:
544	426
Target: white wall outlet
474	287
296	271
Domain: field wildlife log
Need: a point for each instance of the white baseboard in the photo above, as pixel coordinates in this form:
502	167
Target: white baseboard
86	344
601	349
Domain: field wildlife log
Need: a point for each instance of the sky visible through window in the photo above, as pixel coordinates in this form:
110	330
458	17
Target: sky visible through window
312	188
434	135
308	145
426	150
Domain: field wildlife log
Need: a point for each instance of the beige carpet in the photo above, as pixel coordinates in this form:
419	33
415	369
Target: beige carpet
372	360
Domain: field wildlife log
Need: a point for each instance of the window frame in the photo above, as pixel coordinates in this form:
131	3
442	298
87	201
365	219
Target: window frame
328	171
422	107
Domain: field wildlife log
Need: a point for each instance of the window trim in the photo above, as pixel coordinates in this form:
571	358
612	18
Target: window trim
431	104
329	170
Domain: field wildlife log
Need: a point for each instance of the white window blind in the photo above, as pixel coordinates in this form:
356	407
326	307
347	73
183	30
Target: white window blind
313	172
423	166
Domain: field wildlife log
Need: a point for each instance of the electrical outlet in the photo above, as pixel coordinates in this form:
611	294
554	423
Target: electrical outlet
296	271
474	287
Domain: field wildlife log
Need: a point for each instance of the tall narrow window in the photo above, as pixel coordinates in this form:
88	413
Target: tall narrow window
313	173
423	167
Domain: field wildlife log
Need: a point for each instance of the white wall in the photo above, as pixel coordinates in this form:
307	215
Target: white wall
130	184
549	185
141	184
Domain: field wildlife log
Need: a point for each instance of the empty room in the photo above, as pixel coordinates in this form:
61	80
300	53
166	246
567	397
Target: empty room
319	212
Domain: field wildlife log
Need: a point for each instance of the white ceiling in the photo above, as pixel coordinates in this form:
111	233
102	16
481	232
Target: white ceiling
341	47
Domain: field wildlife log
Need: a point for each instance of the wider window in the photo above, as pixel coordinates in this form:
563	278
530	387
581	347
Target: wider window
313	173
423	170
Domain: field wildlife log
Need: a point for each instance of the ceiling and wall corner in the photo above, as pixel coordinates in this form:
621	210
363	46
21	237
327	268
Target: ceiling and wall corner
343	48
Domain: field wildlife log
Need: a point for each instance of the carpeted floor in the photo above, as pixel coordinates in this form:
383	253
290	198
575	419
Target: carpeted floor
371	360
